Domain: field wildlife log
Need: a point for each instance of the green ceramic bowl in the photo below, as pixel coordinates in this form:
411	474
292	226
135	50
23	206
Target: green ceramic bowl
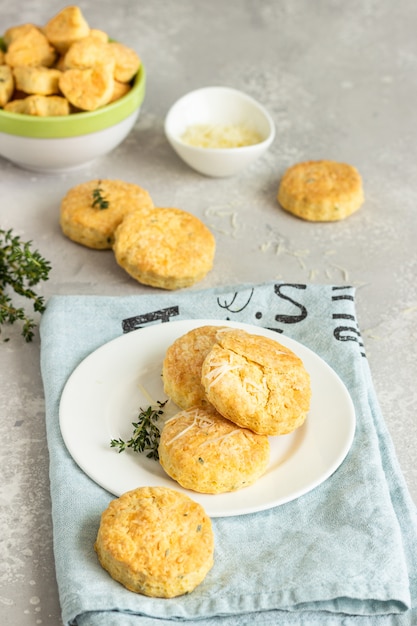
66	142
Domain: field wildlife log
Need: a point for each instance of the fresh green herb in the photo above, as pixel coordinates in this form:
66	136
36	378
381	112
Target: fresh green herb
21	268
146	433
98	199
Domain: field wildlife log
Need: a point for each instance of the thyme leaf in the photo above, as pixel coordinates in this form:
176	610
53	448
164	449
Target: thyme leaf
21	268
98	199
146	432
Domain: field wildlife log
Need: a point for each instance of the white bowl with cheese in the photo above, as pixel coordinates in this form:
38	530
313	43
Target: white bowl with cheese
219	131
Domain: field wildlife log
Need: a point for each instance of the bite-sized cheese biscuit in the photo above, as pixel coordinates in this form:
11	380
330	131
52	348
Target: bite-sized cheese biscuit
87	53
156	541
98	34
6	84
41	106
321	191
181	368
67	26
257	383
14	32
88	89
91	211
167	248
43	81
30	48
119	90
207	453
127	62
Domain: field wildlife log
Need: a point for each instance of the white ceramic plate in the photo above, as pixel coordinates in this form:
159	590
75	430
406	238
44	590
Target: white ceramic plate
103	396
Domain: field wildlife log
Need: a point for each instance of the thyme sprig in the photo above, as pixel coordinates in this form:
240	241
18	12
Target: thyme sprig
146	434
98	199
21	268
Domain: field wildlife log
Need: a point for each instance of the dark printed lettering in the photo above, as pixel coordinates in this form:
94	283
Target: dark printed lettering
290	319
163	315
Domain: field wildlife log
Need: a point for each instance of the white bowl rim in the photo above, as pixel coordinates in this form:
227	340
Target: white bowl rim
262	144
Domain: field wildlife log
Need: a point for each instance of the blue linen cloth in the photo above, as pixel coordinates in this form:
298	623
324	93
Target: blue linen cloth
343	554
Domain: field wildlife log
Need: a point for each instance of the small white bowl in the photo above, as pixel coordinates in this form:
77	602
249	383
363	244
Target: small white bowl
218	106
62	143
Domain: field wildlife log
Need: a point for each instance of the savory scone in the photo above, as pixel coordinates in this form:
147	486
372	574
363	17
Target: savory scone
156	541
91	211
181	367
43	81
65	27
166	248
30	48
207	453
127	62
41	106
321	191
6	84
257	383
88	89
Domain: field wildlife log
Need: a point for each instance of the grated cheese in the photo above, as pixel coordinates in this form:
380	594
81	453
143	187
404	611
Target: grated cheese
220	136
219	371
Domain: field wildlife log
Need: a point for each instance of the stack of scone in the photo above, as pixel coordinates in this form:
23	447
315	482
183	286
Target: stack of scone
235	389
162	247
63	67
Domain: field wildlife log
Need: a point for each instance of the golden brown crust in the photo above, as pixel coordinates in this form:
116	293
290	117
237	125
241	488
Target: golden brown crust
156	541
257	383
41	106
321	191
66	27
87	53
207	453
30	48
181	368
6	84
43	81
82	219
127	62
88	89
168	248
14	32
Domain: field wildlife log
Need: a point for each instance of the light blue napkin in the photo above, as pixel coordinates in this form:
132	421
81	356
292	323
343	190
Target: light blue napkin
343	554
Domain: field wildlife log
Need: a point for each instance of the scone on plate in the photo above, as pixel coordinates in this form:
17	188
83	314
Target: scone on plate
156	541
181	367
207	453
167	248
321	191
91	211
257	383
